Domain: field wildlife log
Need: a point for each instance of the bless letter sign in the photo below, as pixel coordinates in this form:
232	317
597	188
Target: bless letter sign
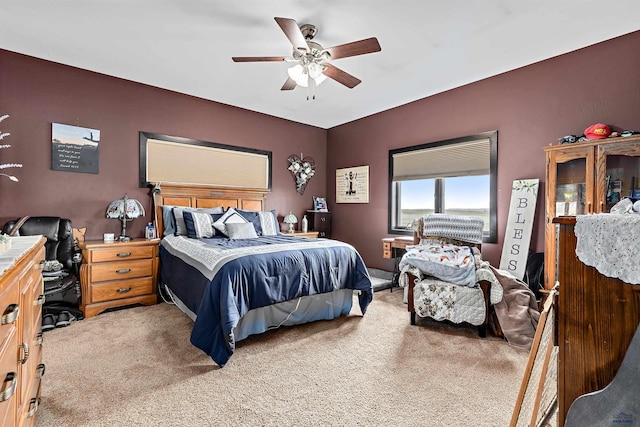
519	225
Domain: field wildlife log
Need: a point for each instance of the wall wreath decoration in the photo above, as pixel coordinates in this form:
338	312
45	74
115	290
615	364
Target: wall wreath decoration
302	169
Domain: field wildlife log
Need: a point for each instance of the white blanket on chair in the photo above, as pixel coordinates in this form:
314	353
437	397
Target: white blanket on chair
447	262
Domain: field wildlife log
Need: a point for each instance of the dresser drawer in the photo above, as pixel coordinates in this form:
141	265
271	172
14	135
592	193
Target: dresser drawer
121	253
9	379
121	289
10	310
121	270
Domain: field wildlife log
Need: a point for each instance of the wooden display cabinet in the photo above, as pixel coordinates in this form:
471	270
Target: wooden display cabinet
597	317
580	178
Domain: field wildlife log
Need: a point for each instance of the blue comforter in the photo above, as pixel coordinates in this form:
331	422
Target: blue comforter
222	280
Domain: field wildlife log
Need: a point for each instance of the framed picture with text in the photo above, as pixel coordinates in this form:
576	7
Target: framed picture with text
352	185
74	149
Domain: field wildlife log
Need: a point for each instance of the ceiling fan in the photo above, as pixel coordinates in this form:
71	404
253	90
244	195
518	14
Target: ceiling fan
311	59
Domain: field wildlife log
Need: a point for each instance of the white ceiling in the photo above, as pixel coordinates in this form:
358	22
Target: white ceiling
427	46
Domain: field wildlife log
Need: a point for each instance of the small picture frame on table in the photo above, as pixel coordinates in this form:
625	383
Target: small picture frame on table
320	204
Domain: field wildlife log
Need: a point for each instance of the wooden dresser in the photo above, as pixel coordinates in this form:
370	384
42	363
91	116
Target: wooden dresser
118	274
21	298
597	318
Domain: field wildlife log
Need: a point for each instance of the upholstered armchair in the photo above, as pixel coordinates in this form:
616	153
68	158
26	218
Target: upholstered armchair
443	275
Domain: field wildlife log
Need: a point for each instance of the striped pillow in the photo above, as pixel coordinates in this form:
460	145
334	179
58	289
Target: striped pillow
199	225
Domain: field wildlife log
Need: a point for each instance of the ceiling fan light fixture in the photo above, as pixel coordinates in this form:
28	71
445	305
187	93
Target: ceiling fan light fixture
301	73
297	73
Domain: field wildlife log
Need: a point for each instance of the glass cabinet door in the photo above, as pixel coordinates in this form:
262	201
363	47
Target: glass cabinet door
569	191
618	173
570	182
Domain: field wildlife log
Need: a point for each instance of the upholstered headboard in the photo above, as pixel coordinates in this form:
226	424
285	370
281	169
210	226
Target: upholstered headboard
205	197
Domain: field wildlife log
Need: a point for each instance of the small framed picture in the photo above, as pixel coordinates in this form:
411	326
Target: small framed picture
320	204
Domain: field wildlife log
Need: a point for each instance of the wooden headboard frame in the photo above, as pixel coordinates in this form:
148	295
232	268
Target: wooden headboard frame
205	197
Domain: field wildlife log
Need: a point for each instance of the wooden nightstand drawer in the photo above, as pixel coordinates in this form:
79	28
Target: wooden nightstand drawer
110	291
118	274
121	253
121	270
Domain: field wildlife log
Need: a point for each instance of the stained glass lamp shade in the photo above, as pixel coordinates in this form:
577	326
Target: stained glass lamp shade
125	209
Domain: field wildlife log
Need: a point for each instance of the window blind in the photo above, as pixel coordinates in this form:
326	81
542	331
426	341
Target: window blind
441	161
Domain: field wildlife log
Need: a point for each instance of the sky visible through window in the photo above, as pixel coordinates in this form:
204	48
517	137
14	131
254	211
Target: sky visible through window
467	192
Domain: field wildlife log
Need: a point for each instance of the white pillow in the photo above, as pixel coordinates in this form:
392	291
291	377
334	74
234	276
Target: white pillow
269	223
231	217
241	230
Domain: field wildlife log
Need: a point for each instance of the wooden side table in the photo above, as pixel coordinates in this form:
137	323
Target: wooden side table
394	247
118	274
309	234
320	222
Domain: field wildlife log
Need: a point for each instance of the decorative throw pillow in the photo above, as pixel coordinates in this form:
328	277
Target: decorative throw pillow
229	217
241	230
254	218
178	217
200	224
167	220
269	223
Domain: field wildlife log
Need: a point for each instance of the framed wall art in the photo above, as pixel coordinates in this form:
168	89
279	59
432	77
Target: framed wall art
352	185
74	149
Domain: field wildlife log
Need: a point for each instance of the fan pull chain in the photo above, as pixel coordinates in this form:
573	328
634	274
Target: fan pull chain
311	88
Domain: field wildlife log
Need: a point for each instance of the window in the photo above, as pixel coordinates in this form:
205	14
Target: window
456	176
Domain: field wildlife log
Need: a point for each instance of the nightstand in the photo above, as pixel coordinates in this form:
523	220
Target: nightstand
309	234
320	222
118	274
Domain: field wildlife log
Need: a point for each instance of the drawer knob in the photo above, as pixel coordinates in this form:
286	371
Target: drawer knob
123	254
39	338
25	350
40	300
123	290
33	407
10	314
8	386
123	271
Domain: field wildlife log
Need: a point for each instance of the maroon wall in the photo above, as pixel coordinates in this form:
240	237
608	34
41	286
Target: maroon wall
36	93
530	107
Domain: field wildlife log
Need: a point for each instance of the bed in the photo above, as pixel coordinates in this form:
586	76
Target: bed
246	279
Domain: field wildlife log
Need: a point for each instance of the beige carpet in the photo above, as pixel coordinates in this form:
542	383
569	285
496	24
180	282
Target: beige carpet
136	367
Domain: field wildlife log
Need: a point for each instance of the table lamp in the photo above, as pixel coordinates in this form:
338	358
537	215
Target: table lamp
291	219
125	209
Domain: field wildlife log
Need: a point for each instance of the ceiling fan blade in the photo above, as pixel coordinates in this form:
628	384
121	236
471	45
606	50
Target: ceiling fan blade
360	47
340	76
290	84
258	58
293	33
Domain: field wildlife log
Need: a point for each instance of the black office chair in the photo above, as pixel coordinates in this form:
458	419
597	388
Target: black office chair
61	268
